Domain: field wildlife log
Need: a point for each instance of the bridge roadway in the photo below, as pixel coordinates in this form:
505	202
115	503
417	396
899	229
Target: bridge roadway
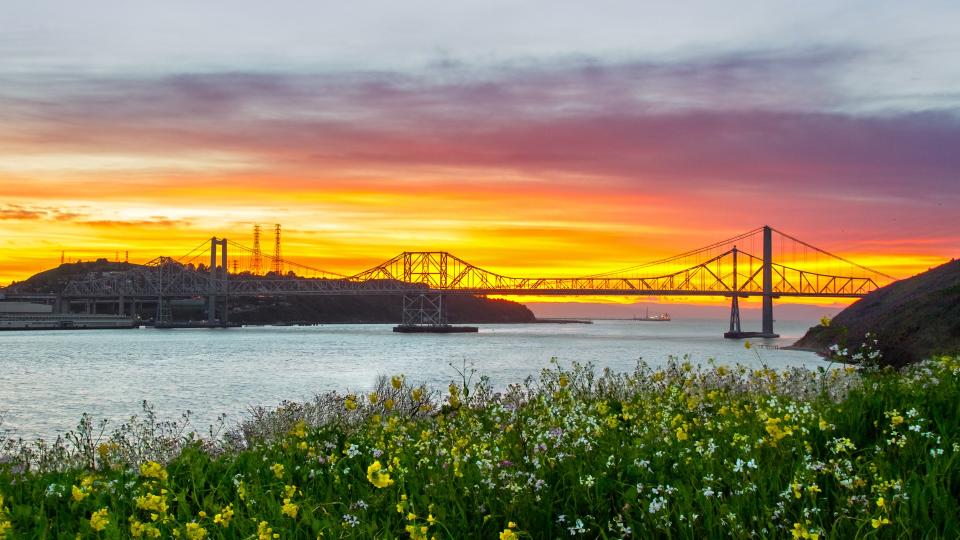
423	278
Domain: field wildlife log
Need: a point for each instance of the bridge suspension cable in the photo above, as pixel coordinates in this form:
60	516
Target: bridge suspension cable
192	255
705	250
834	256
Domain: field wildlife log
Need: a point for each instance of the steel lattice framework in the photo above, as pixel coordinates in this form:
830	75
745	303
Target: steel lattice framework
442	272
423	277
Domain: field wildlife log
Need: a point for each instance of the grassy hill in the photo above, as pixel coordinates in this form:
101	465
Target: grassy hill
912	319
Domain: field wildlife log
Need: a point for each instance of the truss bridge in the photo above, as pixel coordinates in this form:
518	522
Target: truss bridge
763	263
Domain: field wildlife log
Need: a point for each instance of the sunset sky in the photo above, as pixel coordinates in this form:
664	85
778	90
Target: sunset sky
527	137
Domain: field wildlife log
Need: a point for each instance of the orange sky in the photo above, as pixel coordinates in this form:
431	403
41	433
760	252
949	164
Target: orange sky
525	226
557	166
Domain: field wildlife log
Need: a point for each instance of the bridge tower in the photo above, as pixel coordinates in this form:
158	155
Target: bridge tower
767	324
767	294
218	280
735	302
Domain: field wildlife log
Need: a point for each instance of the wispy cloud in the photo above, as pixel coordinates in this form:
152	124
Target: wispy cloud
760	121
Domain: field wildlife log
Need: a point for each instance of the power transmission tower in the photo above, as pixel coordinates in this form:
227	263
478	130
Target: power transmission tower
257	258
277	263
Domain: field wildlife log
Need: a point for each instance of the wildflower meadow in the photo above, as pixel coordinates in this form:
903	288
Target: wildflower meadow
682	451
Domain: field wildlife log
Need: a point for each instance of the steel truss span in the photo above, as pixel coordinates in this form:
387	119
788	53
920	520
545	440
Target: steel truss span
763	262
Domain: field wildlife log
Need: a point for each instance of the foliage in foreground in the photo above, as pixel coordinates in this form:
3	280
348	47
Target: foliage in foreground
679	452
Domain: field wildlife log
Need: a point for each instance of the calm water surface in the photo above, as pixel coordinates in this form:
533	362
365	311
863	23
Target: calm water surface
50	377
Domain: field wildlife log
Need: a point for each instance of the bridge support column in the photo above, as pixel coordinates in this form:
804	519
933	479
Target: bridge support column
218	282
735	316
425	312
767	323
223	273
212	297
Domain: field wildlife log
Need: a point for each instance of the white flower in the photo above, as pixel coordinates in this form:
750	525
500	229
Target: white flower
656	505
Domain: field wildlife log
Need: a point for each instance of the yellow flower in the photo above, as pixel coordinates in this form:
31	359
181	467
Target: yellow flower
411	516
877	523
430	519
416	394
350	403
195	531
511	525
373	398
416	533
99	520
507	534
799	531
152	469
224	517
299	429
397	381
140	530
388	404
289	509
265	532
746	344
896	420
681	434
277	469
564	380
152	503
880	502
825	321
378	478
78	494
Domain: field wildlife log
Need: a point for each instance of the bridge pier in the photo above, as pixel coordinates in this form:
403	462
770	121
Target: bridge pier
767	316
424	313
217	276
212	297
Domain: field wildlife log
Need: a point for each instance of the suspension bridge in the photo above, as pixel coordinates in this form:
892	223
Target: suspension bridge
763	262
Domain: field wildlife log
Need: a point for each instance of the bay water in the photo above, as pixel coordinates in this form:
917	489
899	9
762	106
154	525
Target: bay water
49	378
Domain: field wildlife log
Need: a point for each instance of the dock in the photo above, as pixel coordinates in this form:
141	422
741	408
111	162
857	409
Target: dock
746	335
434	329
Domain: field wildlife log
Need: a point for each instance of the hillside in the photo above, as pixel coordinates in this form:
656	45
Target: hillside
307	309
912	318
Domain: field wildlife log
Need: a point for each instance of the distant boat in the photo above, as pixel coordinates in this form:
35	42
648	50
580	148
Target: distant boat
661	317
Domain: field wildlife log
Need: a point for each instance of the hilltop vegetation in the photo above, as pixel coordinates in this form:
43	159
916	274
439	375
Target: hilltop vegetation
911	319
